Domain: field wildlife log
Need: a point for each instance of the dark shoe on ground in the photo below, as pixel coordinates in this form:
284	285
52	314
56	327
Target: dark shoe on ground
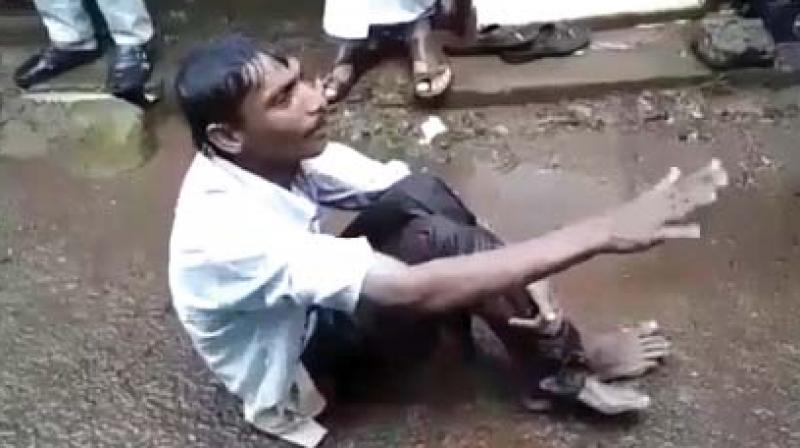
494	39
129	71
50	63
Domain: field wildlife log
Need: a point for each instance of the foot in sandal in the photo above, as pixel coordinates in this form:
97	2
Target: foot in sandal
431	73
347	66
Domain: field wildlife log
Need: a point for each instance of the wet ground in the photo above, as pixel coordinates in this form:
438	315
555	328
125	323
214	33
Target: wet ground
93	356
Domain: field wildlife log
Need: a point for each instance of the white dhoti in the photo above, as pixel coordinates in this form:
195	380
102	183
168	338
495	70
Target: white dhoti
351	19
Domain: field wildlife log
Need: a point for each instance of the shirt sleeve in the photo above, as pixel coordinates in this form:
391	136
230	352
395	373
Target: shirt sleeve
252	268
346	179
329	271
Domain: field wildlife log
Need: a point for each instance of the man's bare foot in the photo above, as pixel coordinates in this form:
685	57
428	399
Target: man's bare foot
611	399
626	353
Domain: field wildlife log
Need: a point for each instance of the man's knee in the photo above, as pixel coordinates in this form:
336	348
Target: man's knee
425	238
433	196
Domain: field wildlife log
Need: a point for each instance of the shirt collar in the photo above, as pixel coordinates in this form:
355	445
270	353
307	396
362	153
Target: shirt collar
300	199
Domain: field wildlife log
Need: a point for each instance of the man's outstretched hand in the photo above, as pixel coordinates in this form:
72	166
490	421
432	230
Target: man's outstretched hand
656	215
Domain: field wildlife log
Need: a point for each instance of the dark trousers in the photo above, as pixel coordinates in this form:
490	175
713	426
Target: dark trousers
416	220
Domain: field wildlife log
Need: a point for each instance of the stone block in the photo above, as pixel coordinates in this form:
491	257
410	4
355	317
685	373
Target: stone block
95	135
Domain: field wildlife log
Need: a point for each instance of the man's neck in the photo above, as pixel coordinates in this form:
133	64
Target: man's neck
281	175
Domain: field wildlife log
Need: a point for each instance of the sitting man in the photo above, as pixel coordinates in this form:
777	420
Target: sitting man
274	306
73	42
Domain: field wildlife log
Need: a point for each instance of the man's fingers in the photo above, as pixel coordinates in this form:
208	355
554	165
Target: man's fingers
698	189
294	63
670	179
718	173
712	175
683	231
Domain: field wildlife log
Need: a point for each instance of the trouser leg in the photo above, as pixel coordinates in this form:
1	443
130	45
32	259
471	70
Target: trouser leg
128	21
68	24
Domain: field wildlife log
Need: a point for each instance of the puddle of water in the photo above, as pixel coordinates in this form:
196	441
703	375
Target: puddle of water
522	203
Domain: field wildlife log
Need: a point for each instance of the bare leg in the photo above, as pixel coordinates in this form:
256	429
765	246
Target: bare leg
346	67
552	366
431	72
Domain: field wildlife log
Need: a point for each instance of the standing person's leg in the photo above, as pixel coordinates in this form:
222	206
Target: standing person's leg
352	57
348	23
430	69
68	24
131	27
72	42
128	21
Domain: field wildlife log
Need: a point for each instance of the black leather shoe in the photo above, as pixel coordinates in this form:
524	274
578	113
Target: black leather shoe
130	69
49	63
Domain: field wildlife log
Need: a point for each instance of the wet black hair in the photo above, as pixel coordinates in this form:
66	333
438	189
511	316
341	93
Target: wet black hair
214	79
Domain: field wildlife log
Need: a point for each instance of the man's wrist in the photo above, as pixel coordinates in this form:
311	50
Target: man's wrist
597	234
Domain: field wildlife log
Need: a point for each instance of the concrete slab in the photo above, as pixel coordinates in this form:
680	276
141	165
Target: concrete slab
92	135
525	11
635	58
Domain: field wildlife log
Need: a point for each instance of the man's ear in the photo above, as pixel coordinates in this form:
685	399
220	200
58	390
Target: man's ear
225	138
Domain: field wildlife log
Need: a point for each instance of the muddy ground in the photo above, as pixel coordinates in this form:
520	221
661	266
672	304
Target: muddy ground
92	354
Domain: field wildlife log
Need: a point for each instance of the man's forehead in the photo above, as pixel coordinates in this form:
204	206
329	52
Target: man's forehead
271	63
265	70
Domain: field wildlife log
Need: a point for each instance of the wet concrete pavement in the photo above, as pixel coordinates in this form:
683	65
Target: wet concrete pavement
92	354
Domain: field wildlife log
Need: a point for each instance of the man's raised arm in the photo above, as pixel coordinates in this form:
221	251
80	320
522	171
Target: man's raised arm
455	282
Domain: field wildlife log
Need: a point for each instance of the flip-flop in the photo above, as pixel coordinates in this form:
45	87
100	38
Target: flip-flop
494	39
427	64
553	39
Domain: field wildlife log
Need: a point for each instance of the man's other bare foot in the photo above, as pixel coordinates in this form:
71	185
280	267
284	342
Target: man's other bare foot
626	353
607	399
611	399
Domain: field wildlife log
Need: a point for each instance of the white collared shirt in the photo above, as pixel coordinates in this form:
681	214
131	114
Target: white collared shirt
248	262
351	19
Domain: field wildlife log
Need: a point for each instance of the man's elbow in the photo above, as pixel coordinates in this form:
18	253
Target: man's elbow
418	293
410	288
410	291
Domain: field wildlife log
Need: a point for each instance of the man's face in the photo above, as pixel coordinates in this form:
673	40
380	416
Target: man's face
283	120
